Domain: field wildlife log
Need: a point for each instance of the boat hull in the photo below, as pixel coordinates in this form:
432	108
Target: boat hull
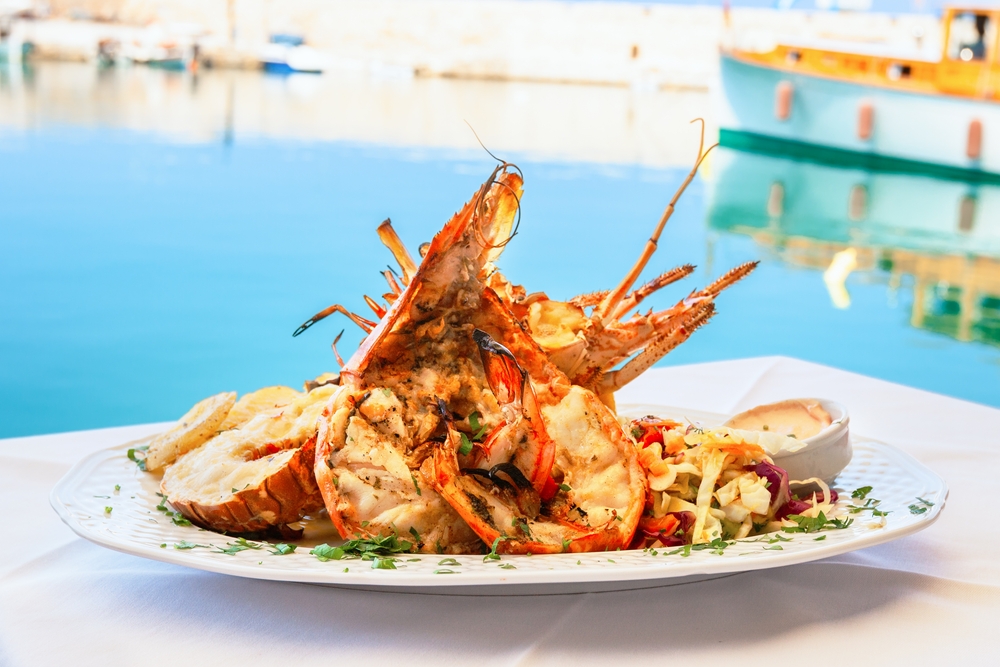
908	128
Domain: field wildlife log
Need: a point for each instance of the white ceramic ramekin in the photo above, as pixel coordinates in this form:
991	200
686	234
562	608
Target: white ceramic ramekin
826	454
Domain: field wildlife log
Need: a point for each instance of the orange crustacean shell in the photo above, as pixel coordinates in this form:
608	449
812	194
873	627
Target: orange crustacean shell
256	476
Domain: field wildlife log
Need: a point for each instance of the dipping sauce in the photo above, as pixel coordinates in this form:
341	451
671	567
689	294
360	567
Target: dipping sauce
799	418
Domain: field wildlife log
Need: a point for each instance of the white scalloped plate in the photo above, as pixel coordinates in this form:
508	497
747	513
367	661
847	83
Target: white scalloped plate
134	526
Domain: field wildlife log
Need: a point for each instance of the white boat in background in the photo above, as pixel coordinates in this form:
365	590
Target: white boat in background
287	54
875	109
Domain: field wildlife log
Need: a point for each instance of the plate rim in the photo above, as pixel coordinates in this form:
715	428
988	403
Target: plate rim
369	578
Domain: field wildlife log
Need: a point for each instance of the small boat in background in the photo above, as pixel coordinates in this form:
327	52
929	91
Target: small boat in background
287	54
873	109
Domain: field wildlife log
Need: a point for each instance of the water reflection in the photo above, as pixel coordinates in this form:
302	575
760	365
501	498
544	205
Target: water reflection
162	226
564	123
940	239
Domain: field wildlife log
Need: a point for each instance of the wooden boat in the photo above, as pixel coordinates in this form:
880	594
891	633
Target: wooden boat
874	109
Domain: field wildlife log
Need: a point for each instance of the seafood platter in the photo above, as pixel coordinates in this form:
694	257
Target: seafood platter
472	443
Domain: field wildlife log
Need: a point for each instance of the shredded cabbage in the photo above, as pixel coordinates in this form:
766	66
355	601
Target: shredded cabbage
723	479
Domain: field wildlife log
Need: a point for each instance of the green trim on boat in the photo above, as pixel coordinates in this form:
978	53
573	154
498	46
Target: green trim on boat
839	157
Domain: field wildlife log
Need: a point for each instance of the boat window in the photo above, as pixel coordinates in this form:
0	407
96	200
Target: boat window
897	71
969	35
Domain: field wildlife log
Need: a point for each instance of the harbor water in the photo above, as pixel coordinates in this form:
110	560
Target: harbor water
162	233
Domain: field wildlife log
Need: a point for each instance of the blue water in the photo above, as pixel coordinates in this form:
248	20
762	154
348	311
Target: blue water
138	275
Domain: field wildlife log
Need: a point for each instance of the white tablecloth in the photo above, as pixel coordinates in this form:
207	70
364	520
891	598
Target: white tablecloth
934	596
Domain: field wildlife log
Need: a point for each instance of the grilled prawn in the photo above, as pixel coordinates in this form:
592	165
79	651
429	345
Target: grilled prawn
386	458
417	367
556	475
588	336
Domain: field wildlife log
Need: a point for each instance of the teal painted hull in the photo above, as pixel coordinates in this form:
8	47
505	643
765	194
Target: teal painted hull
912	132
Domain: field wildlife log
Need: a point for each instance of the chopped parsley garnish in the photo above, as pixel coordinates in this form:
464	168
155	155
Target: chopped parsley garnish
611	560
493	555
506	566
716	546
415	533
774	547
820	538
565	543
449	561
118	487
325	552
480	429
384	563
282	549
565	487
138	460
920	506
466	447
861	493
107	509
241	544
415	485
176	517
808	524
521	525
369	549
184	544
871	504
445	570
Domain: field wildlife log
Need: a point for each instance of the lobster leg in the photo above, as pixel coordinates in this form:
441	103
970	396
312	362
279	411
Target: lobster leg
729	278
586	300
526	443
604	312
333	346
610	346
662	280
375	306
365	324
657	348
395	245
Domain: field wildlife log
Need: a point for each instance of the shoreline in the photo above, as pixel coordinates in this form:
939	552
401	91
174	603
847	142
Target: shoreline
647	47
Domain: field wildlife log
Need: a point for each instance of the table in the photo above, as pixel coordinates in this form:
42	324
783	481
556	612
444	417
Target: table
934	596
